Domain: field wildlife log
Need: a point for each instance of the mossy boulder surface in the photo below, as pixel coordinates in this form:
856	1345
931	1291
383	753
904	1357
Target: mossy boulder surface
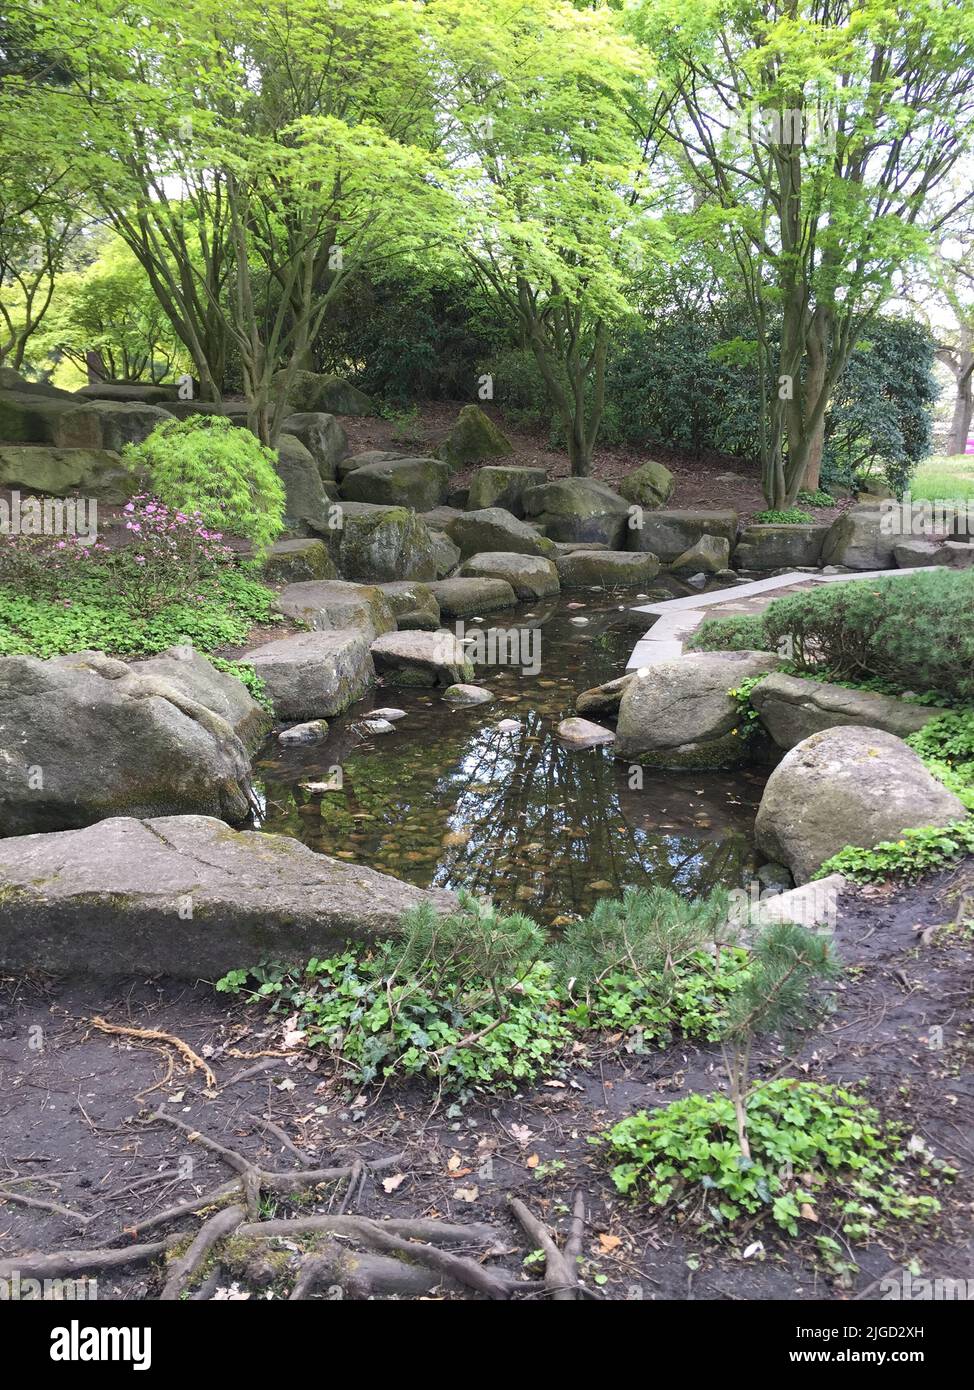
106	424
296	560
467	598
421	659
667	534
105	900
413	604
418	483
679	713
502	485
97	473
578	509
109	739
495	529
380	543
473	438
306	504
30	417
651	485
530	576
774	547
317	391
582	569
335	605
197	679
314	675
322	436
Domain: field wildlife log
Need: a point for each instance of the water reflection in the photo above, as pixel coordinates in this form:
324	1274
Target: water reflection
451	800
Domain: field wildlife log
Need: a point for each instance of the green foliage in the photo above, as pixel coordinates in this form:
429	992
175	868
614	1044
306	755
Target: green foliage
738	634
646	934
917	852
689	999
779	993
466	1000
906	631
169	584
881	415
790	516
819	498
813	1146
749	721
946	745
208	465
248	677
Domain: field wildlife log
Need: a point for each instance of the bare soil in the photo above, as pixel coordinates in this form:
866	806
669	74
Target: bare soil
75	1108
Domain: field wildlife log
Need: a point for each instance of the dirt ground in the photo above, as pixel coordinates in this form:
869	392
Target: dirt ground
76	1127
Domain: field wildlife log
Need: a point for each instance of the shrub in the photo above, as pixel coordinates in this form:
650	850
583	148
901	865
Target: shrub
790	516
915	633
174	581
816	1151
207	466
917	852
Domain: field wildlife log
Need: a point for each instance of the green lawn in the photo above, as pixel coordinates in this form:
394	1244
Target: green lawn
943	476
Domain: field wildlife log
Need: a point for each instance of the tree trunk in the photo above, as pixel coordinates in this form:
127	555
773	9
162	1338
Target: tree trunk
817	360
960	425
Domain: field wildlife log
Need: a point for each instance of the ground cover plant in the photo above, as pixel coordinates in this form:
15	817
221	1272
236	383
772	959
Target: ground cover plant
479	998
174	580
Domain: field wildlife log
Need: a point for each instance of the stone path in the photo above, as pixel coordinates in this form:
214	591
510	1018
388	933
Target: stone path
677	618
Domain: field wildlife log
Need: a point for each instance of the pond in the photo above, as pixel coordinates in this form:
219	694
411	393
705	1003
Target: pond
450	800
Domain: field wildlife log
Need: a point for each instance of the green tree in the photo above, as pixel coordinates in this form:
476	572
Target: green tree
549	129
820	142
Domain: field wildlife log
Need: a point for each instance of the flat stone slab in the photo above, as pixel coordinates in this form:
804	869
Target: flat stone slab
314	675
464	598
184	896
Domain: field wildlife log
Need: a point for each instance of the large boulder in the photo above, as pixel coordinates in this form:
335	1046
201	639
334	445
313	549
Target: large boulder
414	605
649	486
185	896
679	713
669	533
322	436
779	547
314	675
502	485
130	392
290	562
846	786
473	438
96	473
106	424
792	709
495	529
198	680
530	576
860	539
381	544
912	552
707	555
439	518
316	391
349	464
583	569
446	555
468	598
30	417
306	504
85	736
578	509
421	658
418	483
604	698
334	605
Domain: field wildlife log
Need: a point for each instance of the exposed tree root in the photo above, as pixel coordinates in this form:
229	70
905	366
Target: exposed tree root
561	1267
353	1256
43	1204
153	1035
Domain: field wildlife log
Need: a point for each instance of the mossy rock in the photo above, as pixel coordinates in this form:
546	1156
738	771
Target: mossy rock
474	438
295	560
316	391
98	473
651	485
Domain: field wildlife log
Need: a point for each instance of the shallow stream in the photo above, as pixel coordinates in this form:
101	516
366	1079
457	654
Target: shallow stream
450	800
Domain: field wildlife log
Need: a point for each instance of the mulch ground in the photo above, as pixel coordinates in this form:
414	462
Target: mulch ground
76	1106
